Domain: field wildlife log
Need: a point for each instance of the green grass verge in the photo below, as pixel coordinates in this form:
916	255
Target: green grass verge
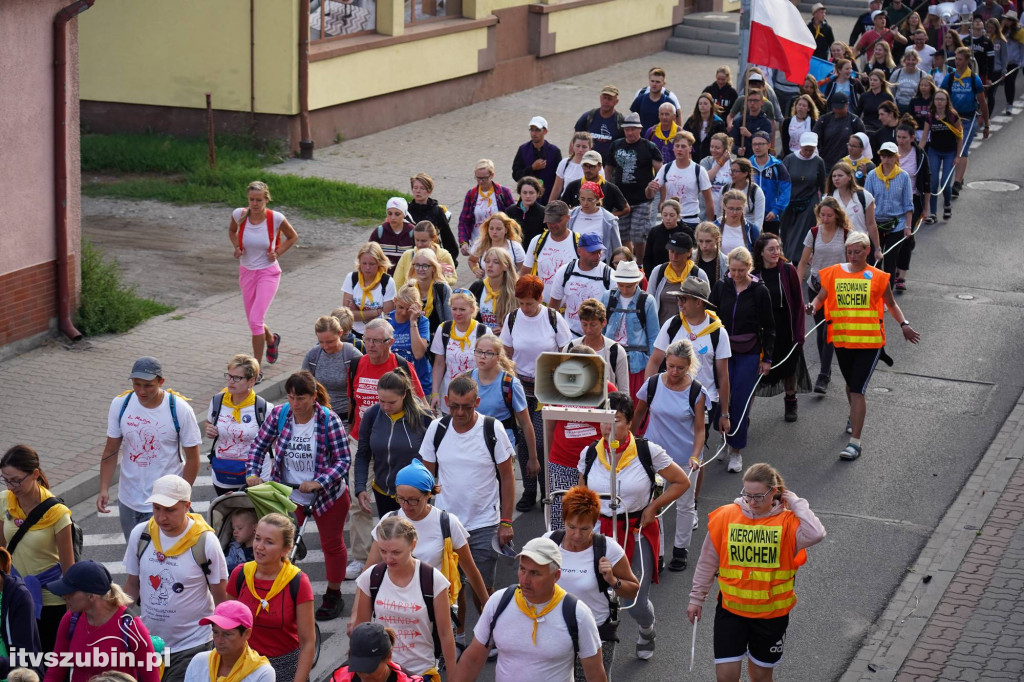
178	172
107	305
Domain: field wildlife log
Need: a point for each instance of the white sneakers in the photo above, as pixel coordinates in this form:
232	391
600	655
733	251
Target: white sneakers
735	463
354	569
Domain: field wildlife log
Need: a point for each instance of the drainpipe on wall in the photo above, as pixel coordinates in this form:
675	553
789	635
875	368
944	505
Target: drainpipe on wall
306	143
60	158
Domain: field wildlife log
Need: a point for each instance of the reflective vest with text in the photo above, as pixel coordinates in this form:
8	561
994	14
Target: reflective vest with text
855	306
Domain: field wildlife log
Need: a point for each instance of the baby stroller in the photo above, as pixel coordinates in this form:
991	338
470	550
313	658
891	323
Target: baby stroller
262	499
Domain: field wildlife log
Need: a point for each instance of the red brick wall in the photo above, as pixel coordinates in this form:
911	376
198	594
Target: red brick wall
28	301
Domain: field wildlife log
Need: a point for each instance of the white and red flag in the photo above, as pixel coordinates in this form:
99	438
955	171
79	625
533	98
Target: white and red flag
779	39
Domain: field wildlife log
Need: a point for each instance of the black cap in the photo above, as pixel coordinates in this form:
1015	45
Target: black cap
839	99
679	240
84	576
368	645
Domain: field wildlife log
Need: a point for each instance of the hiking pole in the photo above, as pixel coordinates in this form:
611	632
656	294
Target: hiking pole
693	643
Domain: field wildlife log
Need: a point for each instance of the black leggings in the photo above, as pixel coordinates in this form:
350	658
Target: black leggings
1009	85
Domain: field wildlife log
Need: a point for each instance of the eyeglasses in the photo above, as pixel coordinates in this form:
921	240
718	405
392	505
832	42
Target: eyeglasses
408	501
455	407
374	342
13	483
482	177
750	497
484	353
234	378
422	266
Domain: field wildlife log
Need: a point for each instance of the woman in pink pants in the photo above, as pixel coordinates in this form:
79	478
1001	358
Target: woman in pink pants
260	237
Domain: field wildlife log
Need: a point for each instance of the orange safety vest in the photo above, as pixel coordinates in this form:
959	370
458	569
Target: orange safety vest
757	561
855	306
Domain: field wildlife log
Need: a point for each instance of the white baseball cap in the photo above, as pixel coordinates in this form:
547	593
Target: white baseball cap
170	490
539	122
543	550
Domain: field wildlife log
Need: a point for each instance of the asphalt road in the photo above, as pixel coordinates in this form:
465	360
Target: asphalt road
930	418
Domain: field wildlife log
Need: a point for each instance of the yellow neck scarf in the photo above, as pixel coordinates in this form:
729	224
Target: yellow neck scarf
887	178
464	338
671	133
530	612
450	569
625	456
715	324
428	307
489	196
184	543
671	276
396	416
236	410
958	79
956	130
52	516
492	294
246	664
368	288
284	576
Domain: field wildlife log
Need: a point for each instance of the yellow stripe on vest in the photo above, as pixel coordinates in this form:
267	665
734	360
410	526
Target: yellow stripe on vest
726	588
768	576
842	338
760	608
846	312
856	326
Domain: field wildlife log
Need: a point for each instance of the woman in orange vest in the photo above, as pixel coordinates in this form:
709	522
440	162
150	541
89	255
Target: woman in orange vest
756	544
855	296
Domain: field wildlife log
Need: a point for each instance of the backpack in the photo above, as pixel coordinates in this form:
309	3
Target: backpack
507	383
568	614
384	279
490	439
230	471
543	240
426	590
674	325
592	114
77	535
172	403
552	318
663	172
640	299
846	232
293	586
446	332
198	551
600	551
695	389
605	278
643	453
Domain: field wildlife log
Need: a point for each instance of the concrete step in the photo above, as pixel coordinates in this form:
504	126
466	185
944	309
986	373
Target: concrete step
715	21
686	46
708	35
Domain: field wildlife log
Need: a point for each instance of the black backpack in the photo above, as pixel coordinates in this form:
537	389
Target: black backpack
592	114
643	453
552	318
384	279
446	332
640	299
218	402
674	325
490	438
600	551
605	278
694	396
543	240
426	590
568	613
77	535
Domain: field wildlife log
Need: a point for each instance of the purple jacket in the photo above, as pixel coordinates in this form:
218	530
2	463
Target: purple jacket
467	220
527	154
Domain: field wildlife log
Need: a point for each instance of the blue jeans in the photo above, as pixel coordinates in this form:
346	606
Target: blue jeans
743	368
945	160
971	123
130	518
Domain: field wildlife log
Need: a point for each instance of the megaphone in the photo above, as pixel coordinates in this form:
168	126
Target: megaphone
571	379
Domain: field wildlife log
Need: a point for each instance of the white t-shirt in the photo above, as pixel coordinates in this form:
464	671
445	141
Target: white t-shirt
825	254
515	249
429	540
589	223
582	284
731	237
854	211
554	255
150	446
404	609
235	438
469	484
685	185
578	577
634	485
376	300
456	359
173	593
199	670
300	458
671	423
619	334
256	241
550	659
925	54
721	179
531	336
702	347
484	209
796	129
570	171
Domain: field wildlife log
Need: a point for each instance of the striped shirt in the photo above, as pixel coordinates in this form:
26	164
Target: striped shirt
893	202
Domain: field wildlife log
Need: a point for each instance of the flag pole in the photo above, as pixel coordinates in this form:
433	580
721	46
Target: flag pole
742	64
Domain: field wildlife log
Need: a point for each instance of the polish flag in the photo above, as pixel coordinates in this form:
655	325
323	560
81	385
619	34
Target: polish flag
779	39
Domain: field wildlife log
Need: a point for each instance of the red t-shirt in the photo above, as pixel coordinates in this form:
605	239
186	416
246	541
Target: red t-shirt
569	439
364	388
109	638
275	630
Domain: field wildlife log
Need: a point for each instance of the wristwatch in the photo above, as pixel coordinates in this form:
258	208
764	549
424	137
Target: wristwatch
618	583
905	323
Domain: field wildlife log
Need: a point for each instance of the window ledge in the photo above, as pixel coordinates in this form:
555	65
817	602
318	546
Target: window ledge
573	4
339	47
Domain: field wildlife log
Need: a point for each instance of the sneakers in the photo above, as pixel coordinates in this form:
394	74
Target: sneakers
790	408
947	212
678	562
850	452
259	379
661	564
957	186
821	385
930	220
526	502
735	463
901	284
332	605
354	569
849	426
1007	112
272	349
645	644
492	654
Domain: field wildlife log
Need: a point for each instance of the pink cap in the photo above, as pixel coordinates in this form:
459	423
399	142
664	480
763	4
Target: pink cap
228	615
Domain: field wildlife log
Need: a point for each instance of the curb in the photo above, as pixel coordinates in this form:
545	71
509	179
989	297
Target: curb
85	485
897	630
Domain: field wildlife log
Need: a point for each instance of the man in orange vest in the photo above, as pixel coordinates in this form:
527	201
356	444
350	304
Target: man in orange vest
756	544
855	296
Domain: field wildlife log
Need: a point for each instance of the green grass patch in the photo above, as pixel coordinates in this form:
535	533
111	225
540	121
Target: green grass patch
177	171
109	306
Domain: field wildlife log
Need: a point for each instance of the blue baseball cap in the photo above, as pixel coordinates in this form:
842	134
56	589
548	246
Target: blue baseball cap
84	576
591	241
